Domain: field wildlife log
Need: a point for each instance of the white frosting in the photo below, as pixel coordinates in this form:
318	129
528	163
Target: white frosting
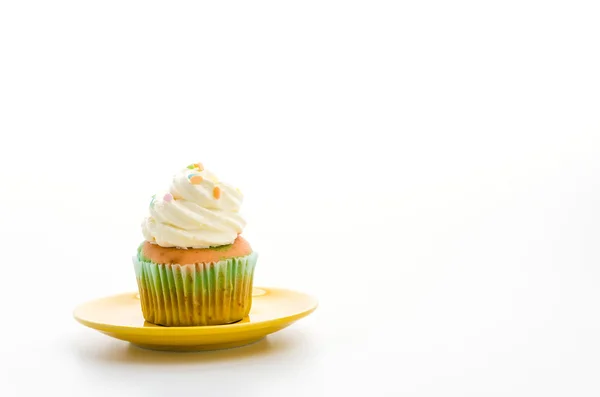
191	216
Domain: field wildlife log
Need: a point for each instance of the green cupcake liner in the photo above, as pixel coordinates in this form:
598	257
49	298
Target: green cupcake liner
196	294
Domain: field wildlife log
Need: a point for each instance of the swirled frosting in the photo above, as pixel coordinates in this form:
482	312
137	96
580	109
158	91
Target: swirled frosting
198	211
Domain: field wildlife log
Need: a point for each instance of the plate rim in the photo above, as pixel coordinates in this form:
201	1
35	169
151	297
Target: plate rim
202	329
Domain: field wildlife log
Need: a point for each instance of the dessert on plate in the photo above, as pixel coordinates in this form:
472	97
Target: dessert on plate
194	267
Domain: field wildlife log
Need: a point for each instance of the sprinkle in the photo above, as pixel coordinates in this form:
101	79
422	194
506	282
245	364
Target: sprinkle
217	192
152	201
196	179
196	166
168	197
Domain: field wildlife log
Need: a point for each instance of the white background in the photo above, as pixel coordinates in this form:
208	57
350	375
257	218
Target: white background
429	170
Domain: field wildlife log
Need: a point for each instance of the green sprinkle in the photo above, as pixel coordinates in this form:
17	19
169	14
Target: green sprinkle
221	247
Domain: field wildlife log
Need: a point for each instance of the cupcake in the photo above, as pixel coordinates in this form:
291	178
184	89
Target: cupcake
194	268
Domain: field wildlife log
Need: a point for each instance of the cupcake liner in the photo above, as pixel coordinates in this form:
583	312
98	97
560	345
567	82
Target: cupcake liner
196	294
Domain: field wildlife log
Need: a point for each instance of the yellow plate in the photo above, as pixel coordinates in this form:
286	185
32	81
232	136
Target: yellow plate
120	316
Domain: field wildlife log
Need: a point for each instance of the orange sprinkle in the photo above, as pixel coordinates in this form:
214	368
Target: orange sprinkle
196	180
199	166
217	192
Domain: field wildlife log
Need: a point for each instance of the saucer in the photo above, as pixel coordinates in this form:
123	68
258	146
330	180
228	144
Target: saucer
120	316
